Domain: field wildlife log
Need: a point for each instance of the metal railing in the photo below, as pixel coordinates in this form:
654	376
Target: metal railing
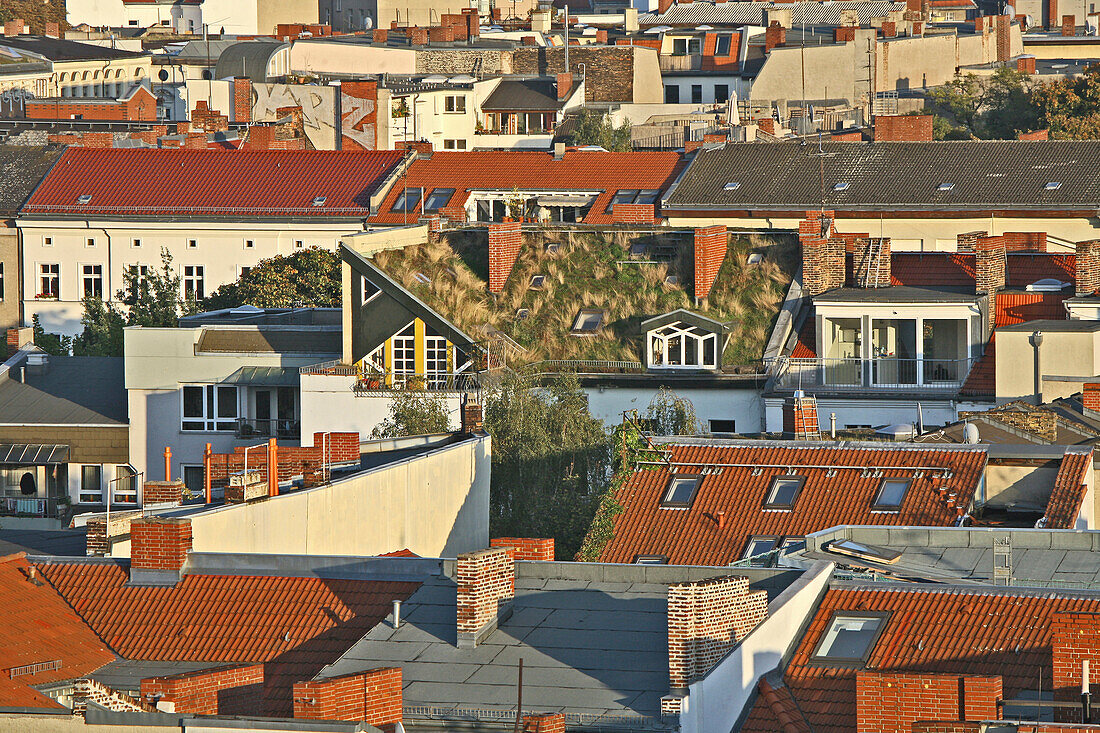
842	375
32	505
585	366
380	382
333	368
589	720
248	427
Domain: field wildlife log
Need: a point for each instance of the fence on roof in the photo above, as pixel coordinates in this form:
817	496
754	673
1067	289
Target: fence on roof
591	721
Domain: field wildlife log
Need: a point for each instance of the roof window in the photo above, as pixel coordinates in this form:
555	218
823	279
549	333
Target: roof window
552	248
849	637
408	200
672	280
851	548
731	186
891	492
522	314
320	200
537	281
1047	285
438	198
680	492
841	186
1053	185
650	560
946	187
84	198
784	490
759	545
588	321
633	196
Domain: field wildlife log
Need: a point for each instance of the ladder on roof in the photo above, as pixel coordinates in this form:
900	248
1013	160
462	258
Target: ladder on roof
874	263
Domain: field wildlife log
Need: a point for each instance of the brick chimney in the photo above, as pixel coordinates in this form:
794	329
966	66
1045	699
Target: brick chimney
989	272
53	30
1069	26
504	243
219	691
418	36
380	35
543	723
800	420
705	620
472	416
710	250
486	582
373	696
966	241
527	548
894	701
564	85
823	255
162	492
1075	638
871	262
18	338
242	99
15	27
1088	267
775	35
1090	396
158	550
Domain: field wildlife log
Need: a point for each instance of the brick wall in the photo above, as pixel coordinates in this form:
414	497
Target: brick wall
1003	24
504	243
527	548
1069	25
609	69
889	29
823	256
141	107
903	128
543	723
484	578
634	213
208	120
223	691
844	34
1026	64
774	35
989	272
18	337
1025	241
1088	267
711	244
1090	396
159	543
163	492
1075	638
306	461
868	272
946	726
966	241
705	620
889	702
95	544
373	696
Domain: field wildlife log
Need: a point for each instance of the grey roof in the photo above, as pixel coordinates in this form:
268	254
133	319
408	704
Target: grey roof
57	49
22	168
248	58
197	51
983	174
1051	325
74	390
264	376
684	316
749	13
524	94
896	294
126	674
37	454
67	542
278	340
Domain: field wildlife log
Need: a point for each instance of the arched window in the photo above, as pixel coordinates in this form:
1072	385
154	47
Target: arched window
679	345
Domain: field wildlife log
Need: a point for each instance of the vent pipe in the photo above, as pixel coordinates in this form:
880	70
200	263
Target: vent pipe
396	614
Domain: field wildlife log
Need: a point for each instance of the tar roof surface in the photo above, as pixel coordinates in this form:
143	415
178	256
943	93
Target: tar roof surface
277	340
523	94
587	647
999	174
21	170
57	49
74	390
740	478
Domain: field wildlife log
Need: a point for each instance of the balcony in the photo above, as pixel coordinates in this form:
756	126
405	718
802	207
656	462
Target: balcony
683	62
380	383
277	428
29	506
877	375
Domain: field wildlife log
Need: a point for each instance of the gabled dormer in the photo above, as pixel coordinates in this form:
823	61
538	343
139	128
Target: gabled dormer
684	340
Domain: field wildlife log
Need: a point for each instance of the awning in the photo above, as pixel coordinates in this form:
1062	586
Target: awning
33	453
264	376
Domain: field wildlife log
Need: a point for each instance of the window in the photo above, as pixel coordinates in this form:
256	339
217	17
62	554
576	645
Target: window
455	104
91	484
721	93
633	196
672	94
209	407
696	93
404	352
136	243
242	271
759	544
249	244
650	560
90	242
890	494
863	551
784	490
192	244
367	290
49	281
722	47
194	478
850	637
435	361
92	280
438	198
588	321
194	282
680	492
1	281
723	426
408	200
47	241
125	485
459	144
680	345
298	244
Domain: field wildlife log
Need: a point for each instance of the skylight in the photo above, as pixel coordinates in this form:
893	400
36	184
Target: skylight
438	198
859	550
758	545
849	637
84	198
537	281
552	248
891	492
651	560
841	186
946	186
1047	285
680	492
320	200
732	186
408	200
784	490
1053	185
588	321
522	313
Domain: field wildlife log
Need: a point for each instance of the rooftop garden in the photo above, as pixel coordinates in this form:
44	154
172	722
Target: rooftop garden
630	277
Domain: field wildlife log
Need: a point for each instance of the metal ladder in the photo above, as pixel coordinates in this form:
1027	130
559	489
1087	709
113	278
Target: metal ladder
874	263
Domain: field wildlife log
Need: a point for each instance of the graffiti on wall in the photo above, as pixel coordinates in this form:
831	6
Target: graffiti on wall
358	115
318	105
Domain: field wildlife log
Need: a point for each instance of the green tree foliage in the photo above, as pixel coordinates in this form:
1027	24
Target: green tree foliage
551	461
413	413
51	343
1070	108
670	414
309	278
994	106
150	299
36	13
595	128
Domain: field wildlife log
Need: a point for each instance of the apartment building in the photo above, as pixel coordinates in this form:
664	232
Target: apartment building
256	17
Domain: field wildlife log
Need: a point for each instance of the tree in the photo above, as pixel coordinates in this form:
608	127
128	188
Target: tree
414	413
102	334
995	106
52	343
595	128
551	460
669	414
309	278
1070	108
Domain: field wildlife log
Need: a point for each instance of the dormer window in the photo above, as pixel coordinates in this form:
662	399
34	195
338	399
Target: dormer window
946	187
1053	185
320	201
680	492
783	492
681	345
841	186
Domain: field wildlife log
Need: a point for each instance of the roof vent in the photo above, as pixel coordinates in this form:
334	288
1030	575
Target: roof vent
1053	185
84	198
421	277
946	186
537	281
841	186
320	201
731	186
522	314
672	280
1046	285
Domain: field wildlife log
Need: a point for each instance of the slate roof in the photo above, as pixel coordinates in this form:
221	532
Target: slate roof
58	50
294	625
1003	174
1069	490
750	13
39	627
539	95
21	170
504	170
237	183
275	340
588	648
75	390
950	631
740	477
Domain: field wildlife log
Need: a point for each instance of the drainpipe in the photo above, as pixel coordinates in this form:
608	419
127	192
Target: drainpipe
1036	342
208	465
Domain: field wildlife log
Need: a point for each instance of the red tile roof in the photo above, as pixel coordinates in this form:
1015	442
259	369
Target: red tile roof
806	345
945	631
1065	501
163	182
39	627
778	711
982	380
294	625
693	537
955	269
538	171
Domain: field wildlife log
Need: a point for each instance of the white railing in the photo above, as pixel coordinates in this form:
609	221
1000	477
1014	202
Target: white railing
843	375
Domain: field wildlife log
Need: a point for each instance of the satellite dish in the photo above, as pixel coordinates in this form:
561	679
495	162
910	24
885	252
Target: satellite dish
368	22
970	434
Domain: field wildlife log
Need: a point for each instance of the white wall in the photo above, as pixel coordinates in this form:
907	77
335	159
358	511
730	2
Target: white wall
329	404
718	700
338	58
854	411
743	405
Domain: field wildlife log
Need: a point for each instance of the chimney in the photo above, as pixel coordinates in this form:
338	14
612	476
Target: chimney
823	256
564	85
1090	396
486	582
53	30
1088	267
775	35
705	620
1069	25
800	419
871	262
472	416
966	241
710	250
504	243
18	338
663	6
527	548
158	549
380	35
15	27
242	99
543	723
989	272
630	21
559	151
374	697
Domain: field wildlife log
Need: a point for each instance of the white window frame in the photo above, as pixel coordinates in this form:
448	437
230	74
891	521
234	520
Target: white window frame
454	104
54	276
250	244
91	496
659	342
195	281
47	241
192	244
124	497
435	361
404	354
86	277
135	243
89	242
212	398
